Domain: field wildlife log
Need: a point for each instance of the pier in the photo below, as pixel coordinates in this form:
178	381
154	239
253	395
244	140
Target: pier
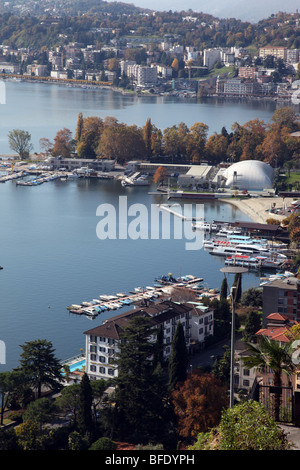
93	308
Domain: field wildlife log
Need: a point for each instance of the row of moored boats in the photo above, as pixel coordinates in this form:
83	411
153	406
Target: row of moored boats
242	250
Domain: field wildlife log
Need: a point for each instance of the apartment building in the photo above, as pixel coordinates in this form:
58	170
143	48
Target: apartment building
276	51
282	296
211	57
142	75
103	340
247	72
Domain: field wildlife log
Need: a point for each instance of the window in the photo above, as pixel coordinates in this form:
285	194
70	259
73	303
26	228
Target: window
111	371
102	359
93	369
93	357
93	349
102	349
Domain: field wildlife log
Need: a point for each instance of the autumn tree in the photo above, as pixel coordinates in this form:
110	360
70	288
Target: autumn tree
46	146
121	142
198	404
197	141
79	128
160	175
90	134
171	142
216	148
63	143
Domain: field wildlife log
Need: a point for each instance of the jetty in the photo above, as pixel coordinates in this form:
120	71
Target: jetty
91	309
168	208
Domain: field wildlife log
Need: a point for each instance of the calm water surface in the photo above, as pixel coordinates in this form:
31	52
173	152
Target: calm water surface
44	109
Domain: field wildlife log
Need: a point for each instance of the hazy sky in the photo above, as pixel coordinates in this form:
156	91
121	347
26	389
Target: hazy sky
253	10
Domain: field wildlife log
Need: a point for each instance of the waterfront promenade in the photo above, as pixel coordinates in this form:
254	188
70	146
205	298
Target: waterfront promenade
258	208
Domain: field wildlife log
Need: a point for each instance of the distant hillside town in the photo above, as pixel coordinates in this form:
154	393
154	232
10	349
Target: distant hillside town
133	50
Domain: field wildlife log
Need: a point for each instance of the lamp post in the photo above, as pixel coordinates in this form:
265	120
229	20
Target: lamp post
233	270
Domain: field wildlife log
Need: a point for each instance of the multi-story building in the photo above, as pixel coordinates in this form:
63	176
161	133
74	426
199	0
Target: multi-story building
279	52
211	57
102	341
247	72
282	296
292	55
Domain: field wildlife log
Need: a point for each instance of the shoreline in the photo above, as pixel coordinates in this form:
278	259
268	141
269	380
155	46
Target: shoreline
258	208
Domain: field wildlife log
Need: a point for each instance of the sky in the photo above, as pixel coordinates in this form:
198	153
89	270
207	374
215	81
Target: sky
245	10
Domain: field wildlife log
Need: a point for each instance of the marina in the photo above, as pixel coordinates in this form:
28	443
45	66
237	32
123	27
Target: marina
93	308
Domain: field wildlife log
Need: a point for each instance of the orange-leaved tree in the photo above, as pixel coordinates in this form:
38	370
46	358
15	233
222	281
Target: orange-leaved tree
198	404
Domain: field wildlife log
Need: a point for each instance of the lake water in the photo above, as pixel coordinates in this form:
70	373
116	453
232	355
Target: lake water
43	109
50	251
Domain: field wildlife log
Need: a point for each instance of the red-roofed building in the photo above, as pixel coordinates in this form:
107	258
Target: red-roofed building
278	326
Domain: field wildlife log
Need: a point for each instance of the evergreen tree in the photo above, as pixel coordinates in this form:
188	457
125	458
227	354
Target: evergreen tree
84	417
178	362
147	131
140	392
224	290
238	283
40	366
158	354
253	324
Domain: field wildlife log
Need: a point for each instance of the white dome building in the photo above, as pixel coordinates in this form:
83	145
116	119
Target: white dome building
250	175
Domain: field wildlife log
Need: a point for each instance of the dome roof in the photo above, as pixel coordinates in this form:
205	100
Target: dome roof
249	174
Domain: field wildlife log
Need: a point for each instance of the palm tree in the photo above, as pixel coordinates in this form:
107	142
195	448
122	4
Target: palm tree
271	354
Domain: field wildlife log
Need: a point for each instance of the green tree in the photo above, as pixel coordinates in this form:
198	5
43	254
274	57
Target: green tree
19	141
224	290
9	383
252	325
104	443
158	353
140	395
244	427
68	401
221	367
41	411
147	131
84	417
252	297
271	354
40	365
178	361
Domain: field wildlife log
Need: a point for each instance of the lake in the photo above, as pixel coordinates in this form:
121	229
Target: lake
43	109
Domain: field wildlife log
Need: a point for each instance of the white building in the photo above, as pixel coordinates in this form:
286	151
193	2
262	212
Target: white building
211	57
250	175
202	324
102	341
142	75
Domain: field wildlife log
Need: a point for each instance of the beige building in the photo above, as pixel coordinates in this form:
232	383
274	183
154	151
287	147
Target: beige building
276	51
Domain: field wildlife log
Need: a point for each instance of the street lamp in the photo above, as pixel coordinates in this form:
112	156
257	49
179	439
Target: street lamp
239	271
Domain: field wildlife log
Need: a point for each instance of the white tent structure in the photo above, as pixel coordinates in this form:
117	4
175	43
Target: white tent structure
250	175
